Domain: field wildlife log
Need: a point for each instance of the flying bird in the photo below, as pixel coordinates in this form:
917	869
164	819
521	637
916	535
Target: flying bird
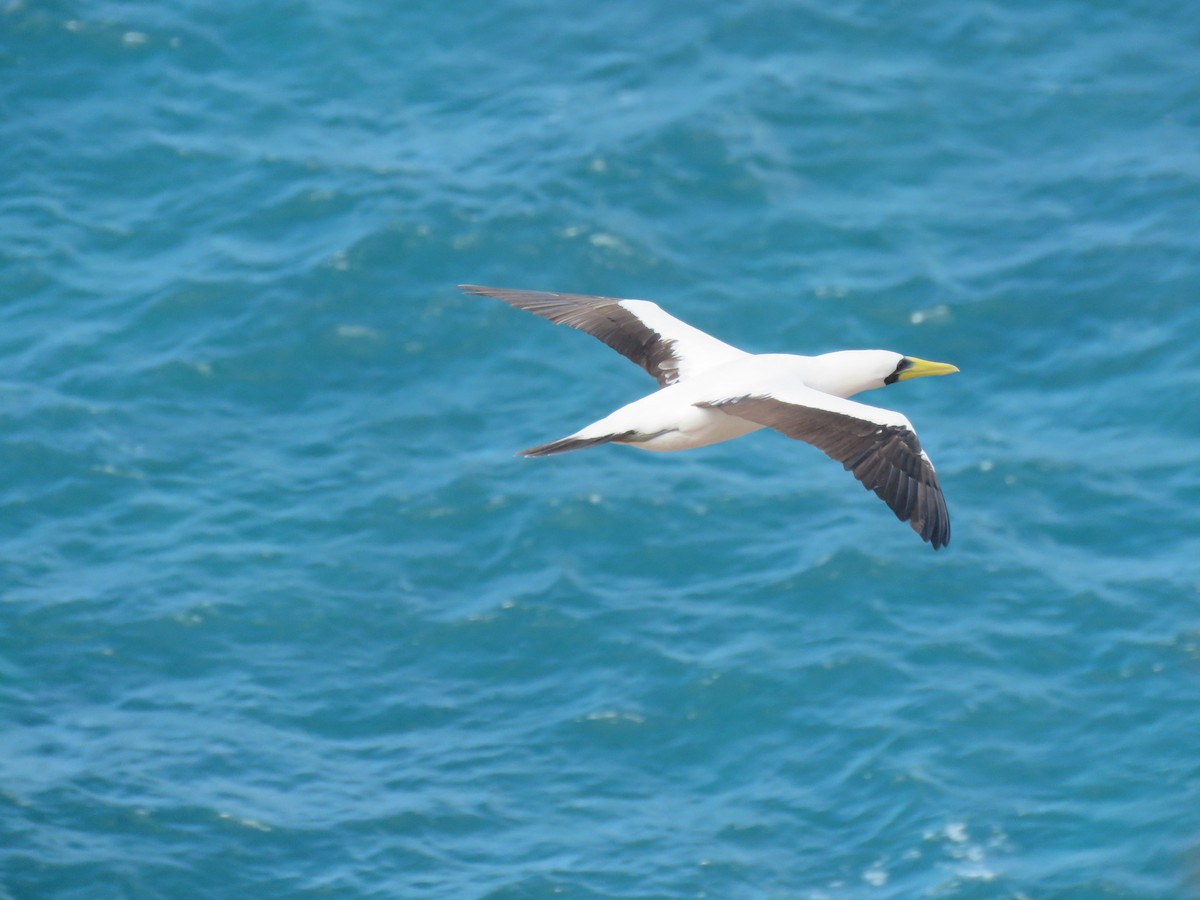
710	392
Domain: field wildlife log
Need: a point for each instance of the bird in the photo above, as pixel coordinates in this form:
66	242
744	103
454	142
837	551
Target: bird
710	391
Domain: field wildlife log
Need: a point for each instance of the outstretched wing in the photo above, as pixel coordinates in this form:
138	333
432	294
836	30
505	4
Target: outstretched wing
878	445
639	330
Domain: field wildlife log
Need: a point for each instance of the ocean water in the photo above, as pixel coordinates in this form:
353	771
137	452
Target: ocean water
281	614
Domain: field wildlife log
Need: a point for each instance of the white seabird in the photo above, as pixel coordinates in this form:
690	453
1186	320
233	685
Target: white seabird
712	392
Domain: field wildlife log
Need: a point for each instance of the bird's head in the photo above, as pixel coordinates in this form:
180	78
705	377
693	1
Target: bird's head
848	372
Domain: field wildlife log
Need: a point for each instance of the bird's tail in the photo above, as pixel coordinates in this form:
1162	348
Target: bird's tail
574	442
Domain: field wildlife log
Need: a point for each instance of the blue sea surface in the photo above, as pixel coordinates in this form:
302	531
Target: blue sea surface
281	613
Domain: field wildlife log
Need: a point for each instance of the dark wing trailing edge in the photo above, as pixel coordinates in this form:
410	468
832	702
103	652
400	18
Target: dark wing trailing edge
665	348
886	458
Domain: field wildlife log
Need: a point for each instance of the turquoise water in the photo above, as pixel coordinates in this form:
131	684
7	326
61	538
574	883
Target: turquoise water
281	615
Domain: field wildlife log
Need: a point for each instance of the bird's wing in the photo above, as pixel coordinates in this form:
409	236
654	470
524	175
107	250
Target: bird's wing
878	445
637	329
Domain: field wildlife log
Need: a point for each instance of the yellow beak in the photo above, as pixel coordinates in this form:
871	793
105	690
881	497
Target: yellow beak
919	368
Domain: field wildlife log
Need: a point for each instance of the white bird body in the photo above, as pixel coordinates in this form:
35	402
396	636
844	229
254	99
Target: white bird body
671	419
713	392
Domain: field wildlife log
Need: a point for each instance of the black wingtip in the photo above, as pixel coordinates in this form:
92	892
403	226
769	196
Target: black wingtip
567	444
936	530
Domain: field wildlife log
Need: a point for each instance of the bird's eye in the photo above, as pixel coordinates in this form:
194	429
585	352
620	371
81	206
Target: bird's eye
902	366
